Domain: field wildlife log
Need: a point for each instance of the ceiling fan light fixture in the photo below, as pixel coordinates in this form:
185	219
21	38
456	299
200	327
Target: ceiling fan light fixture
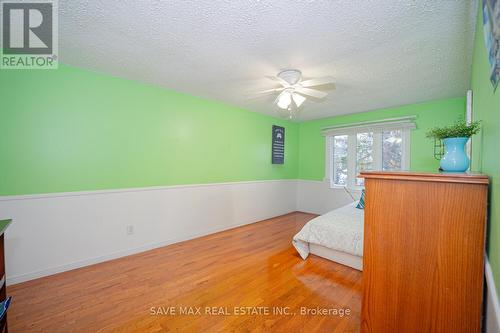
293	91
284	100
298	99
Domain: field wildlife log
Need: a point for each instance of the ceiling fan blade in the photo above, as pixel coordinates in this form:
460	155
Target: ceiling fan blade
311	92
262	93
279	80
318	81
270	90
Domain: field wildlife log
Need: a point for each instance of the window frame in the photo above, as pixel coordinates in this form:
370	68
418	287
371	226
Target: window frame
351	152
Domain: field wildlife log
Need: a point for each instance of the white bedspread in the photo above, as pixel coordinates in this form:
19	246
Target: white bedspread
340	229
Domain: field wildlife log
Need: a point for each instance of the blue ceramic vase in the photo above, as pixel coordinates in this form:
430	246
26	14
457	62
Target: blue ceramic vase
455	159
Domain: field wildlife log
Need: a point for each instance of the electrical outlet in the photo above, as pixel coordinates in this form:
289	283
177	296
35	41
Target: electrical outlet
130	230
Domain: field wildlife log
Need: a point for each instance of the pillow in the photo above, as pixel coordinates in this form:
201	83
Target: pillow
361	203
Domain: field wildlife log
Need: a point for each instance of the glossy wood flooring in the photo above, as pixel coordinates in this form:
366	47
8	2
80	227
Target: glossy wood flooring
250	266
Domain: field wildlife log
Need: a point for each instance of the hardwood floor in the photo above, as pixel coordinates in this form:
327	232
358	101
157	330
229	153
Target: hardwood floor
250	266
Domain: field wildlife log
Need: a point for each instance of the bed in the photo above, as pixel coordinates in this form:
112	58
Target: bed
337	236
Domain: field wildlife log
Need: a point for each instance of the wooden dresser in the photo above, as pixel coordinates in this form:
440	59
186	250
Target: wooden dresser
424	248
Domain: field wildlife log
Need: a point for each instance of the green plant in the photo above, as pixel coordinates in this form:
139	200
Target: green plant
460	129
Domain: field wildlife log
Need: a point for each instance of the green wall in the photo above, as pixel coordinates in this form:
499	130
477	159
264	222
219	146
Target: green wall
436	113
485	148
71	130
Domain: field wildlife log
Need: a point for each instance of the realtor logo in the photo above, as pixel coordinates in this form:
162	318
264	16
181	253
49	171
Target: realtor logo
29	34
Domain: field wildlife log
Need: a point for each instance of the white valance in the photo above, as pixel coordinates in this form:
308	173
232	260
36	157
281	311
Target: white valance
371	126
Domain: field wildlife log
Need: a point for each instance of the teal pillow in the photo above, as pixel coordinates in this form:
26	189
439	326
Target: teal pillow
361	203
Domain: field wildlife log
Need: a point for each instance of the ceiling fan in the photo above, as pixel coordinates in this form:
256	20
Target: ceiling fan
294	91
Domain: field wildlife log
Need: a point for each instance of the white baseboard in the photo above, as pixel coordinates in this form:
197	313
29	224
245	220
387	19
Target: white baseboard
492	320
111	256
52	233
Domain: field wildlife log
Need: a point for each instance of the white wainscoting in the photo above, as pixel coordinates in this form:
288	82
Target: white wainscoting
492	311
317	197
52	233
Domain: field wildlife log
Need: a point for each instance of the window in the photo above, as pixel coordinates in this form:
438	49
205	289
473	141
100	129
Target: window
364	154
340	160
392	150
381	146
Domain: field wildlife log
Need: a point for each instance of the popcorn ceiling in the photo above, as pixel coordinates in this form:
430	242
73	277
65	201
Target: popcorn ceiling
382	53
